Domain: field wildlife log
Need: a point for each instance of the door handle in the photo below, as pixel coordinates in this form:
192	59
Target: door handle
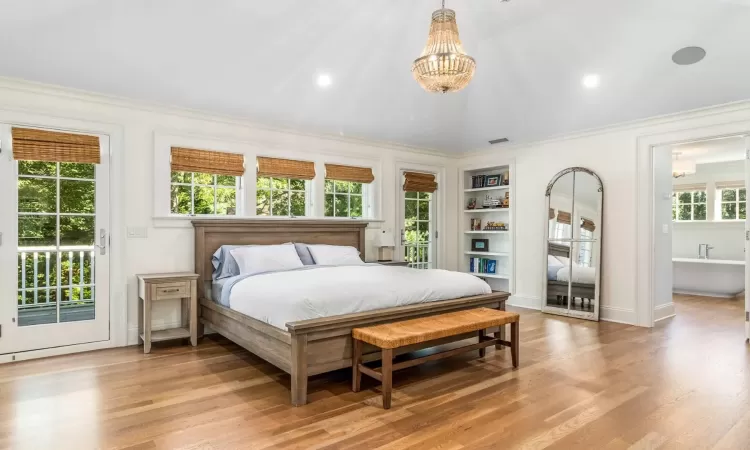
102	242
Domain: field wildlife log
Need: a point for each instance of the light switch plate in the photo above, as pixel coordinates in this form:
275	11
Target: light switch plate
665	228
136	232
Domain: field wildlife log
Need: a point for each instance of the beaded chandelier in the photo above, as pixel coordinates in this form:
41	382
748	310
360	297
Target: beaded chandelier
443	65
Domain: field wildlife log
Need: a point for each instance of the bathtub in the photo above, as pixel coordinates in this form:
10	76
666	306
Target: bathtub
712	277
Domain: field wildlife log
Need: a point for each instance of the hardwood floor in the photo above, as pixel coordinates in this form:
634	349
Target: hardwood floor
683	384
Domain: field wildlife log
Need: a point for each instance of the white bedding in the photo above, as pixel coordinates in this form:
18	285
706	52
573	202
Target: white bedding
581	274
281	297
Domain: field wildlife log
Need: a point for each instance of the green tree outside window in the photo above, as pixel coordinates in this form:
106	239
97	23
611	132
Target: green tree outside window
344	199
281	197
195	193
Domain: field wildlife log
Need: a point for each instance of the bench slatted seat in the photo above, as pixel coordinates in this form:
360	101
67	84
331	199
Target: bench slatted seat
390	336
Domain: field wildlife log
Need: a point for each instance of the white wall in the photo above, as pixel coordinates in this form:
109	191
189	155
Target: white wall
169	244
727	238
614	154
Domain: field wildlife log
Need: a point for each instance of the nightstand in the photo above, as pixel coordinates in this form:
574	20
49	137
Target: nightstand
168	286
394	263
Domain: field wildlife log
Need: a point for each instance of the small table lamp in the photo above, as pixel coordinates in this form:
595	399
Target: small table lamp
385	243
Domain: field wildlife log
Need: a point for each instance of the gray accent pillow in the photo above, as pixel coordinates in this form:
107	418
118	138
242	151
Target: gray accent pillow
304	254
224	263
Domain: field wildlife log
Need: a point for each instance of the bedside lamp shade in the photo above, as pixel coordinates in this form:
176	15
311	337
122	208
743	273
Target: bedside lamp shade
384	241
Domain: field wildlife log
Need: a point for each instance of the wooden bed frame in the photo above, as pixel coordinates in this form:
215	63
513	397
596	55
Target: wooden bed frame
308	347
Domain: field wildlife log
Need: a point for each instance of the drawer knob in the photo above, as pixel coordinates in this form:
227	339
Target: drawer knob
171	290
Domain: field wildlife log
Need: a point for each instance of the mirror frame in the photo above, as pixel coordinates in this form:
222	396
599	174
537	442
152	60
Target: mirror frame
596	249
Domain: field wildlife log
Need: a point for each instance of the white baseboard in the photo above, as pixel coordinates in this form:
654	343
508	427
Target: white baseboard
55	351
520	301
703	294
606	313
618	315
665	311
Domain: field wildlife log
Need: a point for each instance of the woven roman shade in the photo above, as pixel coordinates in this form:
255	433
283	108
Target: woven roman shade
285	168
563	217
349	173
689	187
53	146
207	161
587	224
419	182
551	213
730	184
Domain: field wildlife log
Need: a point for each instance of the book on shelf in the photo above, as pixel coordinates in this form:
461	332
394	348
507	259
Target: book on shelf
480	181
482	265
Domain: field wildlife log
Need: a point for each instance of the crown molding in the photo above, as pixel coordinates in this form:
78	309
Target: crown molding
665	119
32	87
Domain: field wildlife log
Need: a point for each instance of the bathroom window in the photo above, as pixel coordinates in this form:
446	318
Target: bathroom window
689	206
733	204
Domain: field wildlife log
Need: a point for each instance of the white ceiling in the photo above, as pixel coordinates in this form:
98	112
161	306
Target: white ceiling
712	151
261	59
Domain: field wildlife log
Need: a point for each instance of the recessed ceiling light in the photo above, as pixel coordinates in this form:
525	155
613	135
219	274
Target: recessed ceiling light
591	81
324	80
688	55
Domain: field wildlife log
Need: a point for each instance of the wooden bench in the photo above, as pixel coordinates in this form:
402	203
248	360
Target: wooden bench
390	336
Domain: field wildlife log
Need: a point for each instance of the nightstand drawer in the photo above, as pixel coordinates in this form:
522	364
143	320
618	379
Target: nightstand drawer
166	291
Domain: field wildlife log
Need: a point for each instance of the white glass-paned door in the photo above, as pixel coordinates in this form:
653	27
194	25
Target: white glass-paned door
418	232
55	221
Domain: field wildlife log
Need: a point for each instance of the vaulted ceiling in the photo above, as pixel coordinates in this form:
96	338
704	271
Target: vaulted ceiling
262	59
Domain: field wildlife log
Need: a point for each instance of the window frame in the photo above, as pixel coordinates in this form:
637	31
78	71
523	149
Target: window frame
676	205
430	244
289	191
585	247
238	203
365	196
737	202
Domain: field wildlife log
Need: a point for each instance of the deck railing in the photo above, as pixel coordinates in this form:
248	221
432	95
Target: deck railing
63	271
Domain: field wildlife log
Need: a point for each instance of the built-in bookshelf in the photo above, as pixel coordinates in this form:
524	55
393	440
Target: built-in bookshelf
487	220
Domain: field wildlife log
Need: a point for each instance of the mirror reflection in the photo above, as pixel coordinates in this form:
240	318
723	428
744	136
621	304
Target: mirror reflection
574	201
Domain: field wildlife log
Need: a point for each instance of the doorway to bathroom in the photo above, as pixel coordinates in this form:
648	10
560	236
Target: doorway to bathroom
703	207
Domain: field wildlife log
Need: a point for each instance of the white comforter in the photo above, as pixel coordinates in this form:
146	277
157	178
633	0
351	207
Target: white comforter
282	297
581	274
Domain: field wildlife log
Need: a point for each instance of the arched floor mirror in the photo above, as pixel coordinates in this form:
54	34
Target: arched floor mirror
573	243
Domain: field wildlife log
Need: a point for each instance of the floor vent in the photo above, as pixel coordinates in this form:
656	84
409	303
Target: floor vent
499	141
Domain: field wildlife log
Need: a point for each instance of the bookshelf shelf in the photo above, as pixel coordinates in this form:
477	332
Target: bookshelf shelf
486	210
487	232
489	275
491	188
487	253
501	244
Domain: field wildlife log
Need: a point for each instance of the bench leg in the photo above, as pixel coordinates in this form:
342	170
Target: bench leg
483	350
500	334
356	360
387	373
514	344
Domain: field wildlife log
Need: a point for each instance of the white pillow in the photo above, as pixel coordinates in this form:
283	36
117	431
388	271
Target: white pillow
335	255
266	258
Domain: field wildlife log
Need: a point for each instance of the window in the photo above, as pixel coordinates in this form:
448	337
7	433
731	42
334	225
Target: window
562	231
194	193
586	245
689	205
733	203
344	199
281	197
418	229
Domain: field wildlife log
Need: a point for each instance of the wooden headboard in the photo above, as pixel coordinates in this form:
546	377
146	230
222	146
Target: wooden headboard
210	234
